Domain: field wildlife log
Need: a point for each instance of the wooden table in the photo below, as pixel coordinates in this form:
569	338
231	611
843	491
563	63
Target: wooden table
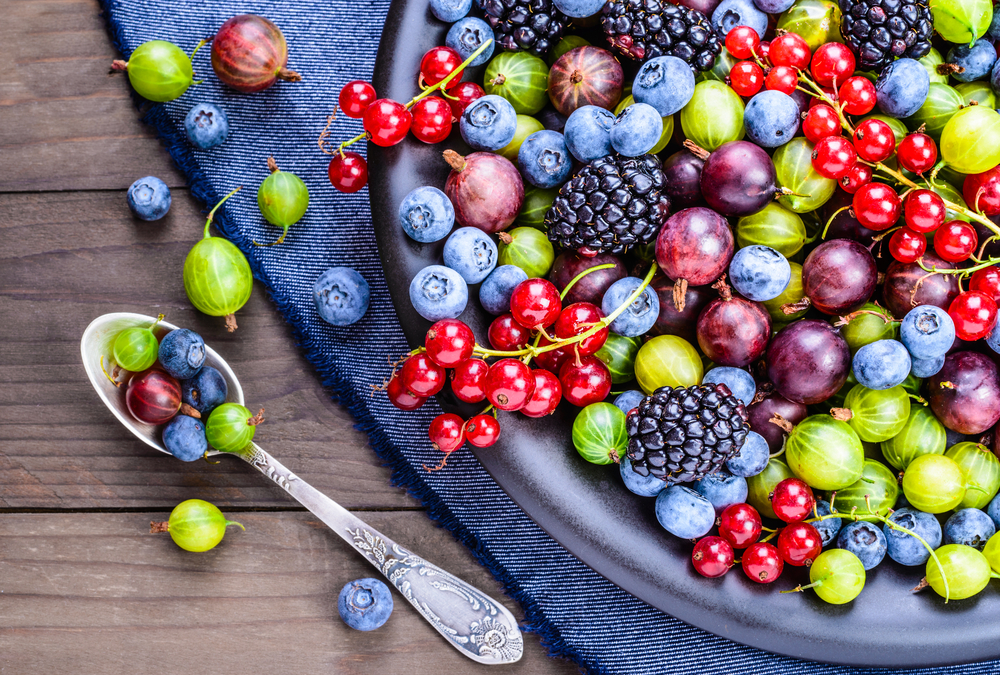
84	587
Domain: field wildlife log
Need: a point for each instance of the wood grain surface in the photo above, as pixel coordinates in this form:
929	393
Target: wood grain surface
83	587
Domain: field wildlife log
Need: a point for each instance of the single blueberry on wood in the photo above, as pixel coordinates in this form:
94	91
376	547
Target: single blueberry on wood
149	198
365	604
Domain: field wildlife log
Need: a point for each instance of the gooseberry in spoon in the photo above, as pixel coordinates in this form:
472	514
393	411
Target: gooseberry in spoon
282	198
136	348
153	397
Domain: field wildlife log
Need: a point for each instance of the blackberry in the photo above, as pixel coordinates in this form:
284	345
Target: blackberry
645	29
682	434
611	204
878	31
532	25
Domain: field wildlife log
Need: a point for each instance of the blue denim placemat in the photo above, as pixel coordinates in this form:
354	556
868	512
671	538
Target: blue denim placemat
579	614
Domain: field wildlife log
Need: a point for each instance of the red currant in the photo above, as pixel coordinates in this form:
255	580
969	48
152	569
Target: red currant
712	557
832	64
858	176
876	206
917	153
437	64
821	122
762	563
986	280
833	157
447	432
552	360
792	500
400	397
482	431
449	342
923	211
348	172
790	50
742	42
431	120
907	245
387	122
974	314
819	100
464	93
982	191
874	140
799	544
507	335
579	318
422	376
585	381
535	303
739	524
355	98
546	397
955	241
509	384
858	95
764	51
746	78
468	380
782	78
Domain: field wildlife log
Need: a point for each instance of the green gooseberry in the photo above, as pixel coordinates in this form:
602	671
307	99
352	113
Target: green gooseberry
930	62
948	193
599	433
933	483
565	44
941	104
837	576
667	361
196	525
724	63
713	116
867	325
967	571
521	78
825	452
158	70
970	142
912	384
135	349
793	165
980	92
760	487
528	249
793	293
923	434
618	354
537	202
282	198
992	552
981	469
961	21
217	277
774	226
876	487
668	125
816	21
877	415
873	451
231	427
526	125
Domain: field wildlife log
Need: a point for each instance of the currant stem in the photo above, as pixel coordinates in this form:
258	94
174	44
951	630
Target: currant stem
569	286
211	214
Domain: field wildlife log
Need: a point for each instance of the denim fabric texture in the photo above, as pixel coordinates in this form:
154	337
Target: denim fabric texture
578	613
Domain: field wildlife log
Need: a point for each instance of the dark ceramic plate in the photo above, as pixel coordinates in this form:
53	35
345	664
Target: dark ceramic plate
588	510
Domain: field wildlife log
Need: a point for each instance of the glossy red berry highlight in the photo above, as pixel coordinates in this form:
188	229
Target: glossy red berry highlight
546	397
742	42
746	78
874	140
449	342
821	121
431	120
553	359
792	500
799	544
348	172
355	98
468	380
833	157
982	191
509	384
917	153
387	122
507	335
974	314
577	319
907	245
858	176
422	376
447	432
876	206
585	381
762	563
782	78
482	431
832	64
464	93
740	525
712	557
955	241
986	280
400	397
438	63
790	50
535	303
924	211
858	95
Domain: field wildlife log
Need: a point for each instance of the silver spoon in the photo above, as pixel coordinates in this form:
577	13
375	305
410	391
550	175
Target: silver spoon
474	623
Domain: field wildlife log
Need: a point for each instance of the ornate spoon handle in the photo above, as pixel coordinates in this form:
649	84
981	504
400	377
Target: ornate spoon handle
474	623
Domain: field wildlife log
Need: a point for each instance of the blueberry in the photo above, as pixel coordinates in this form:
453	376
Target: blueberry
773	6
750	459
588	133
438	292
636	130
638	317
881	364
468	35
426	214
771	118
206	125
488	123
969	527
579	9
494	294
977	60
149	198
722	489
182	353
924	368
184	438
544	159
629	399
905	549
927	332
863	540
341	296
644	486
741	383
470	252
993	510
759	272
684	513
732	13
902	88
994	30
666	83
829	527
365	604
450	11
205	391
993	339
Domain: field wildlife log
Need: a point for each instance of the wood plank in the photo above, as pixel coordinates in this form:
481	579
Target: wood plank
95	593
80	255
